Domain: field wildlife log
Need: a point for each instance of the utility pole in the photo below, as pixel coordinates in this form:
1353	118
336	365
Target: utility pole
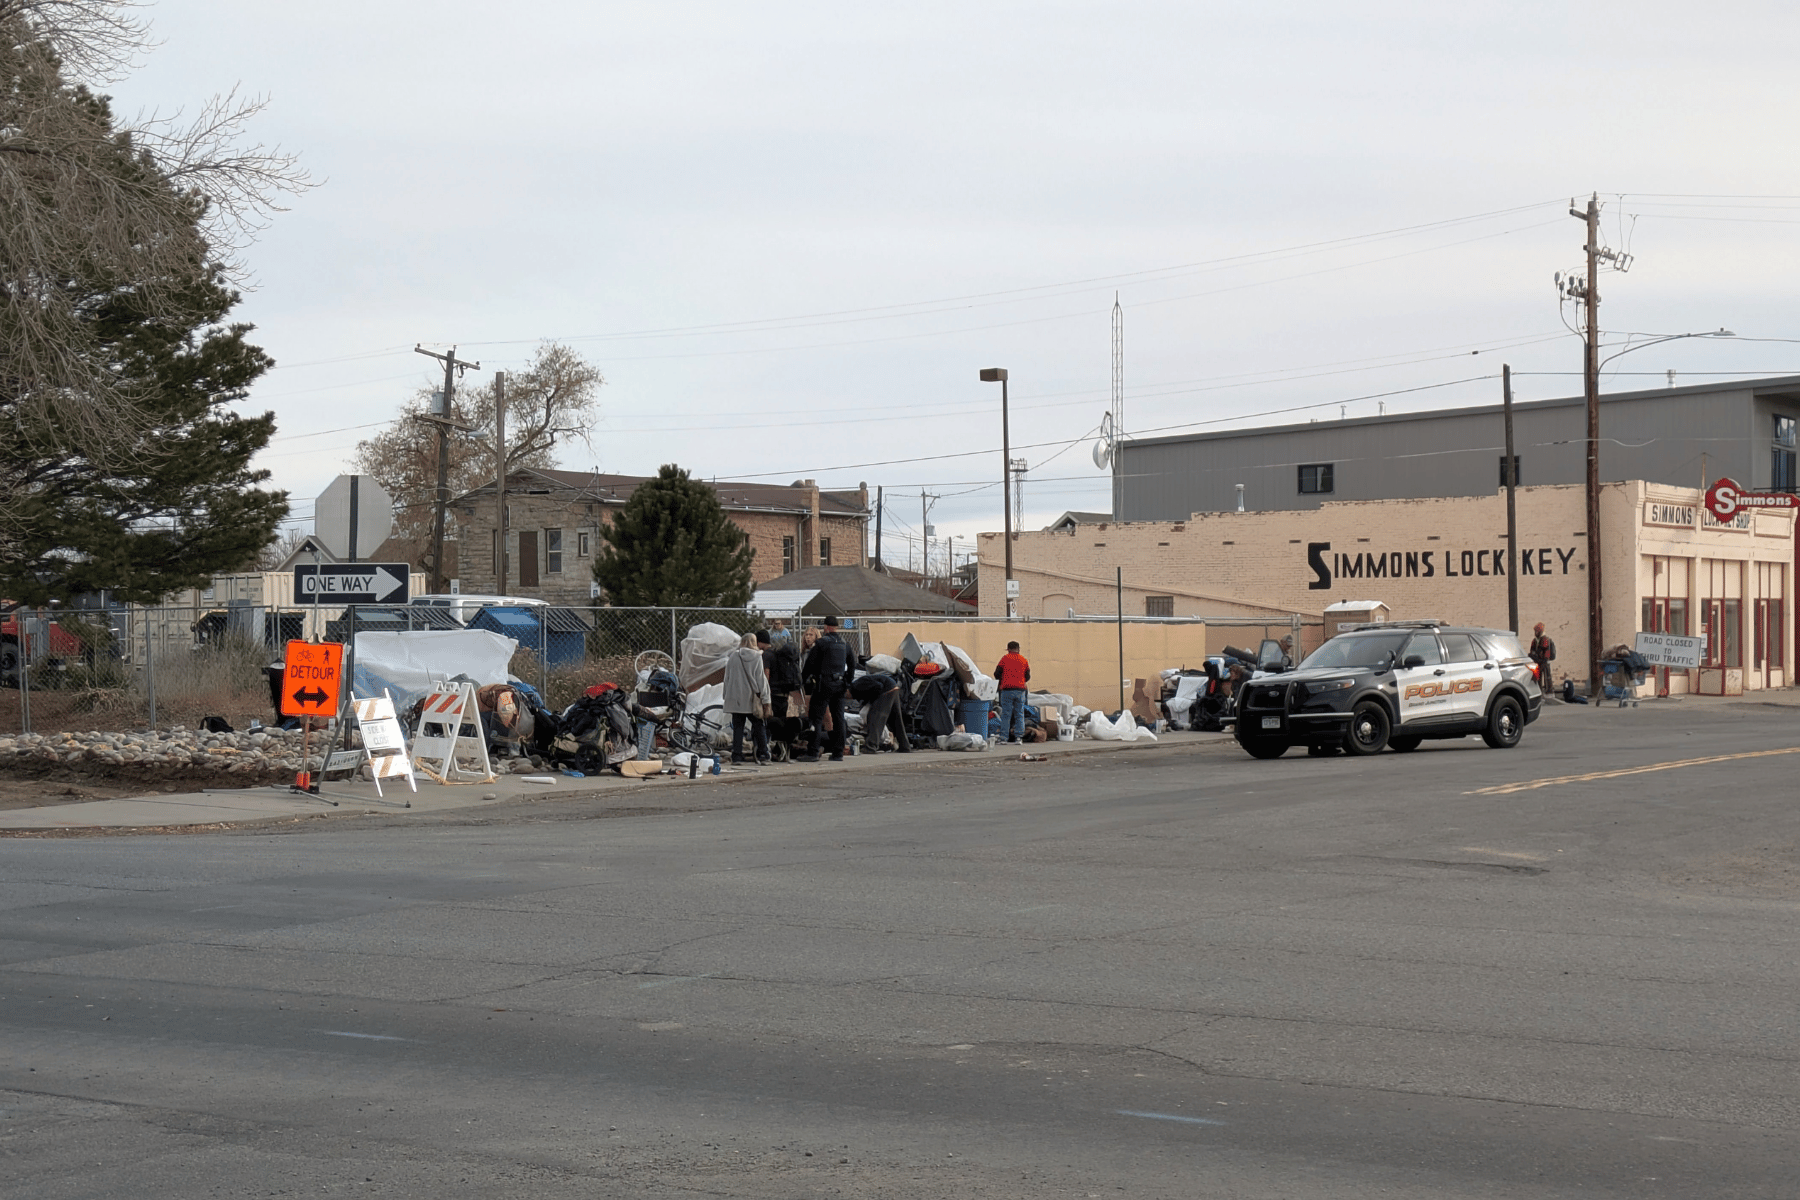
1590	371
442	417
500	483
998	375
1511	474
878	512
925	538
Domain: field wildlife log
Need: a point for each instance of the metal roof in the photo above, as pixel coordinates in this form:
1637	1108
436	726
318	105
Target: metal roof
1770	385
791	602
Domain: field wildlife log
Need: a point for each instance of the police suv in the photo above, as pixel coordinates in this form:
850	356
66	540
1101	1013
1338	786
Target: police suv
1393	685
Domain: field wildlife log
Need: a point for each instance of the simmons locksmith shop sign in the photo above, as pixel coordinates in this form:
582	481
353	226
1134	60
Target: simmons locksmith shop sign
1330	567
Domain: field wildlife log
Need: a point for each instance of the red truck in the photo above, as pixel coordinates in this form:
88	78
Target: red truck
63	648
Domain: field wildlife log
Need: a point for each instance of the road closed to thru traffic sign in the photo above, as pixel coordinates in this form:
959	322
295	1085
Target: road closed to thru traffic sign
1670	650
314	680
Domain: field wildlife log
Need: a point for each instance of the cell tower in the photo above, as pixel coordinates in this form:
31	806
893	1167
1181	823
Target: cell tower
1118	374
1112	422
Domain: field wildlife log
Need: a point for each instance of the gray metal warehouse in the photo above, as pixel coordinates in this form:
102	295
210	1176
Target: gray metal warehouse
1684	436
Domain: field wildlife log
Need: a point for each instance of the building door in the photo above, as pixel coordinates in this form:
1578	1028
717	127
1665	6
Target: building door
1666	608
1768	633
528	558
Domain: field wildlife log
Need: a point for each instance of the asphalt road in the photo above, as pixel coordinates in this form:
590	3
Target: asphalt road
1168	973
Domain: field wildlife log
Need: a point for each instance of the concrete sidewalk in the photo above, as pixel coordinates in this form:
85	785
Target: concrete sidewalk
232	807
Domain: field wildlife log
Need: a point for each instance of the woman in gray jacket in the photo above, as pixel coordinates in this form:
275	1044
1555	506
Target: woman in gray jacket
747	699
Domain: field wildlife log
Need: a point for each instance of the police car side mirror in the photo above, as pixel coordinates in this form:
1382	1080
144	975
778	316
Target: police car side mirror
1413	660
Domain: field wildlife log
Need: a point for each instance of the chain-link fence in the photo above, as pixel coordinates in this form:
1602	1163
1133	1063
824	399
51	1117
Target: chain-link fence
136	668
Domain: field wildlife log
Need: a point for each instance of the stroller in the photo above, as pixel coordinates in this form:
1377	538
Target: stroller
596	731
928	696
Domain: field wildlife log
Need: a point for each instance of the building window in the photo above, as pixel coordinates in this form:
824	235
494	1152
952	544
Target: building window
1315	479
1159	606
824	552
553	552
1782	472
581	545
1515	471
787	556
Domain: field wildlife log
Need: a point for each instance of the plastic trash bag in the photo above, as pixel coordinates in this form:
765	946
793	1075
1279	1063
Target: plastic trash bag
965	741
703	654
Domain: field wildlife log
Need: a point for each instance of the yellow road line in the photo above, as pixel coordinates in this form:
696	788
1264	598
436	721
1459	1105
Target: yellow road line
1528	785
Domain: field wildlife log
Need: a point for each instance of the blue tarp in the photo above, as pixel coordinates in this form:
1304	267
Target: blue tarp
561	636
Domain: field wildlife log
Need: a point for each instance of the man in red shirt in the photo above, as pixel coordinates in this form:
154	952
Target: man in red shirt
1014	673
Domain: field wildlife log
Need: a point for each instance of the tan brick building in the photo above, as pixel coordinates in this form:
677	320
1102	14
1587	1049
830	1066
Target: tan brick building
1667	566
554	520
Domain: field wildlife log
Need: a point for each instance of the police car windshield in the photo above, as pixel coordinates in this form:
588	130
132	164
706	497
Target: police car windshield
1369	651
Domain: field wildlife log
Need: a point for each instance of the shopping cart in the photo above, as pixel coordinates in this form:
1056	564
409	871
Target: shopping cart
1619	680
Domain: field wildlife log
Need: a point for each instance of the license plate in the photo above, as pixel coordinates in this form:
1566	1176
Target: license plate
1271	722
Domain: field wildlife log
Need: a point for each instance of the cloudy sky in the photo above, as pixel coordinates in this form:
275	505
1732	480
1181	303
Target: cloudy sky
791	234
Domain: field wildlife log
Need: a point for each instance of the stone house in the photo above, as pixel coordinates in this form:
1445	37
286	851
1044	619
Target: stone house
554	520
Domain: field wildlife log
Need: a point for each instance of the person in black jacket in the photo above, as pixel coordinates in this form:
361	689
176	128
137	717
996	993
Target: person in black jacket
879	694
827	674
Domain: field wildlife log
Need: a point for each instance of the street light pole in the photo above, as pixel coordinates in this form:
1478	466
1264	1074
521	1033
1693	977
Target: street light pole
998	375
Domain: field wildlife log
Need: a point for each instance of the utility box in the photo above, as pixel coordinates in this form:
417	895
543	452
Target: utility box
1354	612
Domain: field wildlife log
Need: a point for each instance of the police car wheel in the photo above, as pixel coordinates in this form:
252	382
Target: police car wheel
1369	728
1506	724
1264	748
1404	742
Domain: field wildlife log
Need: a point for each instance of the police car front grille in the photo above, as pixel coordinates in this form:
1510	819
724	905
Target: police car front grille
1266	697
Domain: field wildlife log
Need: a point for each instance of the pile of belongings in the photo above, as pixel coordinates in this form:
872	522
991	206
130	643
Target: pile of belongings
943	695
597	731
1204	699
929	692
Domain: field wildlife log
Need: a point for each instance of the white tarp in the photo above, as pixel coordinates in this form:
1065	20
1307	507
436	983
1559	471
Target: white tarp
703	654
1126	730
407	664
1187	690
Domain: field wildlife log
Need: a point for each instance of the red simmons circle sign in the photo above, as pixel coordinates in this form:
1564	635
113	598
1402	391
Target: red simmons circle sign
1725	499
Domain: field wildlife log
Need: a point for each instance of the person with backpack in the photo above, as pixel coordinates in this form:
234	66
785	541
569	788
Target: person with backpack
827	674
1543	653
787	720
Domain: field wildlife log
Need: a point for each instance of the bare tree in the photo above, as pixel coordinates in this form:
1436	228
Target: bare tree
284	543
550	403
95	210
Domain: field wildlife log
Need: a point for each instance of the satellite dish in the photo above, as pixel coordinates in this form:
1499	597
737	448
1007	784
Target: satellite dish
1103	449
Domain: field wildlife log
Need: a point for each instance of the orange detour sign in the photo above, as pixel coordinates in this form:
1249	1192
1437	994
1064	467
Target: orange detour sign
314	679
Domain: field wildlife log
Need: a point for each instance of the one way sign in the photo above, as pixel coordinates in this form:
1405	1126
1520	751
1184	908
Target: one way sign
351	583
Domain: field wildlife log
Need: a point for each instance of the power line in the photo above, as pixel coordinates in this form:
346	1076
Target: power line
942	333
1113	280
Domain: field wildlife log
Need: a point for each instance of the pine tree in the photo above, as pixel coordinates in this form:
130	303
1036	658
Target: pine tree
672	544
124	468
